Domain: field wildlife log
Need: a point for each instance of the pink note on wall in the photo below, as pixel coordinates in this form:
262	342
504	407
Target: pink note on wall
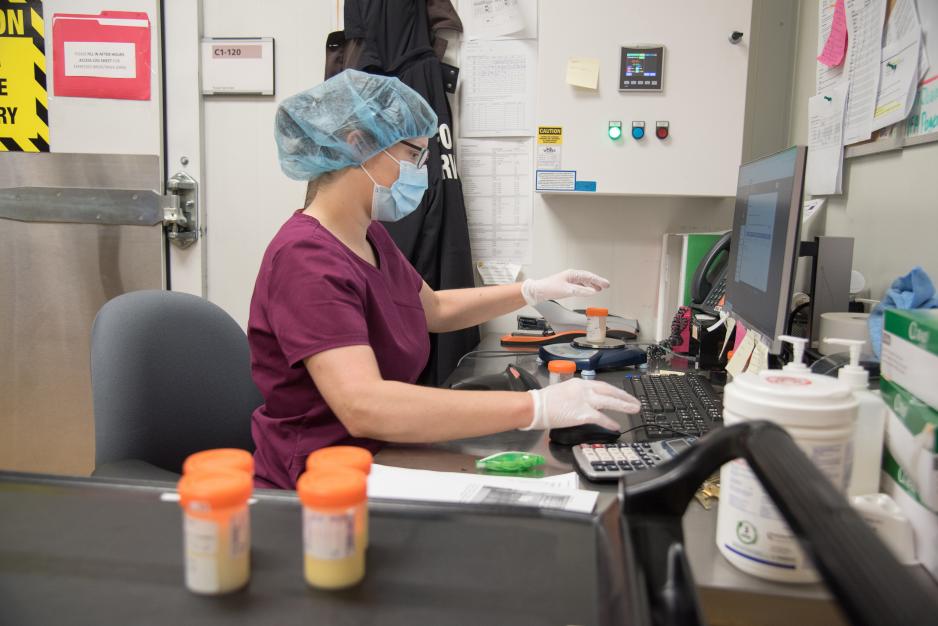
836	47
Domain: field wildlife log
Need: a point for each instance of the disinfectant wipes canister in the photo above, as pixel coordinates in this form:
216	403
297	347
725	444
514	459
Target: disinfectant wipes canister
819	413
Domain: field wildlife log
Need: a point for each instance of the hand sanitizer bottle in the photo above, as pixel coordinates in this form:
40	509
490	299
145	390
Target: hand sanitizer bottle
871	423
797	347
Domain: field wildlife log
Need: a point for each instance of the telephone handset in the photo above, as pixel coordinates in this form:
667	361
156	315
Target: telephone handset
709	283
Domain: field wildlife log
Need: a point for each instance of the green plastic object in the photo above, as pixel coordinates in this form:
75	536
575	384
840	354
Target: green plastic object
510	462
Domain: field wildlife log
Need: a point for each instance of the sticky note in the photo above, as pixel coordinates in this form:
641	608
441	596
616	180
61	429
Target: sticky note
741	356
836	46
583	72
759	359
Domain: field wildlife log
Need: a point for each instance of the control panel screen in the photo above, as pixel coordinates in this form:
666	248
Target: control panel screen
642	68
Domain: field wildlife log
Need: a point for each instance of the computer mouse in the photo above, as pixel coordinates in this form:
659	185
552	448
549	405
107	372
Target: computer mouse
512	379
587	433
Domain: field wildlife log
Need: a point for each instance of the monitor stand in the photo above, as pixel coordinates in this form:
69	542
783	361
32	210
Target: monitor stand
831	265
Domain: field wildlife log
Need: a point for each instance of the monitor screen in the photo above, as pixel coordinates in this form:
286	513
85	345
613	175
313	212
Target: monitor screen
641	68
765	241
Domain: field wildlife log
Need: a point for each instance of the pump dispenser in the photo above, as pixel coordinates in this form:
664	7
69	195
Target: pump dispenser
871	423
854	374
797	347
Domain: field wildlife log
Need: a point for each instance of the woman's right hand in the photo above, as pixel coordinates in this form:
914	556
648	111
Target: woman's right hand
577	401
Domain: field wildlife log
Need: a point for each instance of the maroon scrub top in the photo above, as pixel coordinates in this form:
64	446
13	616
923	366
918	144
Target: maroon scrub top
314	294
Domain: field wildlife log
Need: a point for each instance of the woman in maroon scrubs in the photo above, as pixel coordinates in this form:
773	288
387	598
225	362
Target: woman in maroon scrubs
339	319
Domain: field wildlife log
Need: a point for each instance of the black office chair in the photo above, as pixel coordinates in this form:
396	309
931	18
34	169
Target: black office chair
170	375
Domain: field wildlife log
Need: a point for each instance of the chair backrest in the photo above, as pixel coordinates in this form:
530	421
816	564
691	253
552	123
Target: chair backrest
170	375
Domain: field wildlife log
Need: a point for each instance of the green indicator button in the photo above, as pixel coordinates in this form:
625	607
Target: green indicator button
615	130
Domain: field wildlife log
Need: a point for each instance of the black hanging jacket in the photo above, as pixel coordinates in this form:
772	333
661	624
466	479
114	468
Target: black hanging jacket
397	38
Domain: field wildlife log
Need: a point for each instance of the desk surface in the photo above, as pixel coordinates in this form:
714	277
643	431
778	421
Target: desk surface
88	552
728	595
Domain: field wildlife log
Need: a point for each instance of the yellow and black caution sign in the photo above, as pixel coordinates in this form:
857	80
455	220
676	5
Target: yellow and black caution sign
547	135
24	113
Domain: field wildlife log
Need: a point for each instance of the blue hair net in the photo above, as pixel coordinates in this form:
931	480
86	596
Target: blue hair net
345	121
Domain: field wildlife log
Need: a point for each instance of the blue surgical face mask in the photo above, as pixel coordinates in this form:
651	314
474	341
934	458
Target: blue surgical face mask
402	198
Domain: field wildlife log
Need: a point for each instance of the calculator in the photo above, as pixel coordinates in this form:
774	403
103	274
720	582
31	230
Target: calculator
608	462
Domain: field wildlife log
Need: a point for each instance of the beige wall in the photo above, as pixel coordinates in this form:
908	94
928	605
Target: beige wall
890	200
620	237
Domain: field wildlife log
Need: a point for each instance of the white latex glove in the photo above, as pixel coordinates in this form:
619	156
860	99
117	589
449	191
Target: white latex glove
577	401
563	285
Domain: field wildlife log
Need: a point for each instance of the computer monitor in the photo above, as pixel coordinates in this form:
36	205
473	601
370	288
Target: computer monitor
765	242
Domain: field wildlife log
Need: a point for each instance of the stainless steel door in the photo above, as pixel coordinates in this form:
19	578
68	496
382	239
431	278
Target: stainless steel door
75	231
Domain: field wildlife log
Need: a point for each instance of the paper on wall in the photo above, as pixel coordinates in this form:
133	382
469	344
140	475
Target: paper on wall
549	148
810	208
555	180
835	46
865	19
903	22
499	19
555	492
898	81
485	19
499	88
583	72
496	182
495	273
825	142
827	77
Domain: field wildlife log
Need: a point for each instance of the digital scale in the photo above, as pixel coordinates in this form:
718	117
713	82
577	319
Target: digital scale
590	358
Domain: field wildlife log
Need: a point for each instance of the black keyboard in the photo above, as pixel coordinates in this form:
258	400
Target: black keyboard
674	405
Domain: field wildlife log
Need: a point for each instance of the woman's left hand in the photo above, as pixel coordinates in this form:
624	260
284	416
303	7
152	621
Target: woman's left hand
563	285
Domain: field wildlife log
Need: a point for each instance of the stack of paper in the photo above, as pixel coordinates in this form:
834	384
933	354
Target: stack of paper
825	142
877	63
901	66
555	492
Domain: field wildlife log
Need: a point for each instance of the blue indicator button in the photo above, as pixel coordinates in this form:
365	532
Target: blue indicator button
638	132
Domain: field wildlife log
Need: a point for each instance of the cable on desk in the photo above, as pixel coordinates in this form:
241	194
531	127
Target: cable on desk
492	354
662	427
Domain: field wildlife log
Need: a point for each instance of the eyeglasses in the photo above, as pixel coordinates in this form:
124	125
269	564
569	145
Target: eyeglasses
422	153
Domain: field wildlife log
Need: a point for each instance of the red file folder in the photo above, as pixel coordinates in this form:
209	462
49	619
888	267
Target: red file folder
102	56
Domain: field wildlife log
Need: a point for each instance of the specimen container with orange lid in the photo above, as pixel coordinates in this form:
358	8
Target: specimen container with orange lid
560	370
333	545
216	529
596	324
219	458
352	457
341	456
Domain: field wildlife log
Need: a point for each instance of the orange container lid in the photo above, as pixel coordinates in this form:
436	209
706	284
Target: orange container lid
332	487
595	310
561	367
340	456
219	458
215	489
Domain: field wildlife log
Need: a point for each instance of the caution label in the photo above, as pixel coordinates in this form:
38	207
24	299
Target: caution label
549	135
548	151
24	114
